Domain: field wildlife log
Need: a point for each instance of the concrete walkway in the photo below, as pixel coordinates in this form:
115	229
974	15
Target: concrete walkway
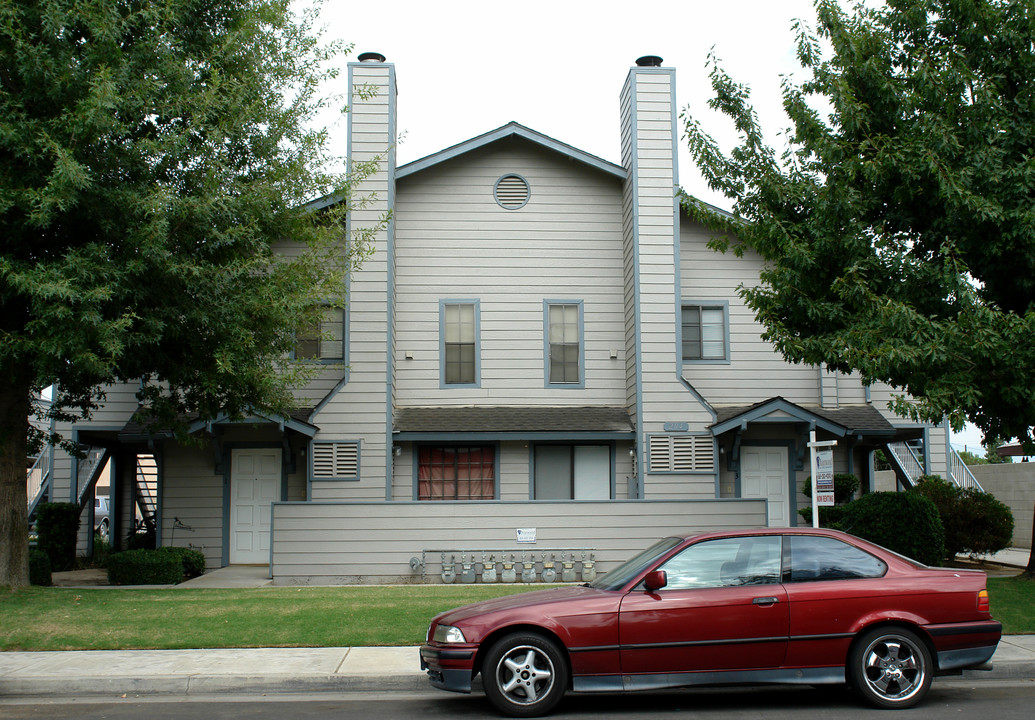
275	670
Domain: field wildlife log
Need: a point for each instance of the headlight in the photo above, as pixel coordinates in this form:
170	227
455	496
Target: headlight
449	634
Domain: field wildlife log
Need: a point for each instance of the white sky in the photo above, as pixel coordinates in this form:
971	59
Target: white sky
464	68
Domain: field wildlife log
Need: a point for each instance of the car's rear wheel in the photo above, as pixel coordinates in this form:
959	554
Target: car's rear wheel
890	668
524	675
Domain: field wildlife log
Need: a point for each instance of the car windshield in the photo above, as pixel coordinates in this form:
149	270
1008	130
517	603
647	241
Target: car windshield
632	567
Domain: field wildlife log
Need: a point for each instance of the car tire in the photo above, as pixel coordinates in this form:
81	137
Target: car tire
890	667
524	675
102	530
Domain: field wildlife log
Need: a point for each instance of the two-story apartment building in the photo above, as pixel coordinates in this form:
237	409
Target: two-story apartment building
541	360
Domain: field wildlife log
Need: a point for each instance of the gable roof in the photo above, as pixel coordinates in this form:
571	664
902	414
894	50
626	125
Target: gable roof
863	420
510	130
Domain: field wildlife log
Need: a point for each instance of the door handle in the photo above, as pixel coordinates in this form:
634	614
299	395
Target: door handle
765	601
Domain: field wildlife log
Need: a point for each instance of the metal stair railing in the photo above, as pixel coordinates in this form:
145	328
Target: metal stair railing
905	459
88	469
147	488
37	480
960	474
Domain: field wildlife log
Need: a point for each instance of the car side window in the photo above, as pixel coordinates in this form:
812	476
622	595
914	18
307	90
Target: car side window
823	558
725	562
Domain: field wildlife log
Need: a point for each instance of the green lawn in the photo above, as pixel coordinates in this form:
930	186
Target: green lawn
71	619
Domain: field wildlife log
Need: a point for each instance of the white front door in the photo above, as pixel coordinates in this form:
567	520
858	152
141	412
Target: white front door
764	474
254	486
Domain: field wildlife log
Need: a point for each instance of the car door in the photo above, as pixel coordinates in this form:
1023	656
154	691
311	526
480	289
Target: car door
723	609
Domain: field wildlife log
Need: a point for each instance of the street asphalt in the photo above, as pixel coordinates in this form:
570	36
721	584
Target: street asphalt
282	670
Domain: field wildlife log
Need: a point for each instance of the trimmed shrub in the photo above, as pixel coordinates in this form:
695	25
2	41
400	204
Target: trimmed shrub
57	526
193	561
39	568
906	522
144	567
141	539
829	515
975	522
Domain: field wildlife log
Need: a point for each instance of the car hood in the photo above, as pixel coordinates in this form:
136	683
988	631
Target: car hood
538	602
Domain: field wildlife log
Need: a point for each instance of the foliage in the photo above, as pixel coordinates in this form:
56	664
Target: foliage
142	539
193	561
896	227
970	458
39	568
144	567
154	157
845	485
975	522
907	523
994	458
58	531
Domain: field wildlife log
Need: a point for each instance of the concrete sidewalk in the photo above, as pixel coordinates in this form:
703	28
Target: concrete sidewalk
285	670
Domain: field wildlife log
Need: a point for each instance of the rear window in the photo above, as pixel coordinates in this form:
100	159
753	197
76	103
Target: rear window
823	558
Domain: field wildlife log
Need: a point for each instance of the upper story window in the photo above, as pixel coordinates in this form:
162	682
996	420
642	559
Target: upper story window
324	341
459	350
564	357
705	330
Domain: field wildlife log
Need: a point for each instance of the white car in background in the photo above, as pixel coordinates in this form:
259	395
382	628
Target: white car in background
101	523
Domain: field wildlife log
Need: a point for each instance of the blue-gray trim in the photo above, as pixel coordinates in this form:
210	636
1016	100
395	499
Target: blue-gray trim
528	186
442	303
415	464
792	490
613	455
723	305
228	449
283	423
581	384
344	478
511	129
797	414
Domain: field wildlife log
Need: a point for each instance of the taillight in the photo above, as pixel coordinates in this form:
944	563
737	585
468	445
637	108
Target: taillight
983	605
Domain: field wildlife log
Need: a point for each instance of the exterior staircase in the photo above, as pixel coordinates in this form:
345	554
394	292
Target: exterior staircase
37	481
909	467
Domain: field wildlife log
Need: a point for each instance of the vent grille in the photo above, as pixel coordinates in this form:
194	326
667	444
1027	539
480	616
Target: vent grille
512	192
335	460
682	453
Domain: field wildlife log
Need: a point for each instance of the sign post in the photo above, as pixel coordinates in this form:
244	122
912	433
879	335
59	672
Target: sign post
822	474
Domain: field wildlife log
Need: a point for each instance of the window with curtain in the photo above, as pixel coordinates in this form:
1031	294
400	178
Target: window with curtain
704	333
456	473
459	344
564	347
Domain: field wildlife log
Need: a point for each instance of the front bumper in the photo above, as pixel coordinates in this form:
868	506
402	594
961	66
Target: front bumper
448	668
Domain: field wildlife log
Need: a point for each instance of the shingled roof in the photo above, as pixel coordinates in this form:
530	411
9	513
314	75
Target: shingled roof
599	419
852	419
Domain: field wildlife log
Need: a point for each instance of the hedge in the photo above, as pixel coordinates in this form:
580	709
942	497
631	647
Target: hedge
144	567
906	522
57	528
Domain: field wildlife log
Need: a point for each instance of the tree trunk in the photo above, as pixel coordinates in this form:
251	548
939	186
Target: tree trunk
14	525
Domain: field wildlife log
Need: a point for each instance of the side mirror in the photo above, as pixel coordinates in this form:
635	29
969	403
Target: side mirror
655	580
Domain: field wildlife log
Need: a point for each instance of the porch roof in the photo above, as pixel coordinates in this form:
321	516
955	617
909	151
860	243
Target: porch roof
136	430
527	422
860	420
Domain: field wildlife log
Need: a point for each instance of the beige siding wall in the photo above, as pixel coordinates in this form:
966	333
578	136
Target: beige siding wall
192	492
1014	485
341	543
454	242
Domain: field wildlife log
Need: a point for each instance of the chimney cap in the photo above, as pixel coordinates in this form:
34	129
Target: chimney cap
648	61
371	57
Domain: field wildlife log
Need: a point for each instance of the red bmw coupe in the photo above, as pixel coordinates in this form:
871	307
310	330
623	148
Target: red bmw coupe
788	605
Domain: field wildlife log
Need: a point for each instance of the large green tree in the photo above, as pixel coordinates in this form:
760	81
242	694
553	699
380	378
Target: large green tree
898	225
152	155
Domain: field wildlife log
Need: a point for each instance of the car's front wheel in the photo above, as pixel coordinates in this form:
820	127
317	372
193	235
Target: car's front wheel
890	668
102	530
524	675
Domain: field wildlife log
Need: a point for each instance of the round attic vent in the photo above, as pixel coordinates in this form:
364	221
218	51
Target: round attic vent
511	192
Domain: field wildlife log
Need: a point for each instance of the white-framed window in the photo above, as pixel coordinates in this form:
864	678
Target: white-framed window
323	341
705	332
335	460
458	320
564	351
681	453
